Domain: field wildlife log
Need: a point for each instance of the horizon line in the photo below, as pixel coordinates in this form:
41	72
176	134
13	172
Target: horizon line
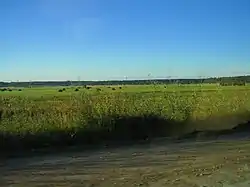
138	79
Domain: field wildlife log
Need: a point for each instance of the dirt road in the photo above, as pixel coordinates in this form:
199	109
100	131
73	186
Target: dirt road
224	163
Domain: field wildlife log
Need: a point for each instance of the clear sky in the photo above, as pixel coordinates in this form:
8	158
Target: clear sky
111	39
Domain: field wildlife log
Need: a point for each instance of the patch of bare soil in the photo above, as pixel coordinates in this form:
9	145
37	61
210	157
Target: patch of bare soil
197	164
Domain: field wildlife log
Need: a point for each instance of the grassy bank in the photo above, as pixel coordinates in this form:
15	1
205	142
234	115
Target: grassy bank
44	117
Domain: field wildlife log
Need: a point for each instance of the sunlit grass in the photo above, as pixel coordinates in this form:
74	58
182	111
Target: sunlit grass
36	111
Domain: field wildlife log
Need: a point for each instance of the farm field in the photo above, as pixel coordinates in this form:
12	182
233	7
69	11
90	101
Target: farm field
76	118
40	117
70	90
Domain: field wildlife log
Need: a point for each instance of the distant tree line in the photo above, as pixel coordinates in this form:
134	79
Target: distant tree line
239	80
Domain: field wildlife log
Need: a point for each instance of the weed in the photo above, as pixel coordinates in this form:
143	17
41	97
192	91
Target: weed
35	121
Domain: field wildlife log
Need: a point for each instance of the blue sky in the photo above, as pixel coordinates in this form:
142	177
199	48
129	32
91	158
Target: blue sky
112	39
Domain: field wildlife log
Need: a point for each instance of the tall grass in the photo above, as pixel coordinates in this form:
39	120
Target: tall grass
88	118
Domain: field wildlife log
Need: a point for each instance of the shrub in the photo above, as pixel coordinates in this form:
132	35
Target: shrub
239	83
233	83
60	90
113	88
76	90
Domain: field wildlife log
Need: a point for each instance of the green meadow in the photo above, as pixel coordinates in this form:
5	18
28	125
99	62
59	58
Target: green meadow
41	117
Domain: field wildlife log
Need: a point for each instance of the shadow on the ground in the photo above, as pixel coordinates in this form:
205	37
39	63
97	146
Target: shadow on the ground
240	130
114	130
119	130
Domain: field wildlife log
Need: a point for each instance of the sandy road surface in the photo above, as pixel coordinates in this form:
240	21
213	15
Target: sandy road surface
224	163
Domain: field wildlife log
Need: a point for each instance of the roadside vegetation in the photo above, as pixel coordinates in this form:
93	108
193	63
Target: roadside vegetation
40	117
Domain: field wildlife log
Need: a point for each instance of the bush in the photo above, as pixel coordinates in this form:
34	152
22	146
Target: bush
19	90
239	83
76	90
60	90
113	88
235	83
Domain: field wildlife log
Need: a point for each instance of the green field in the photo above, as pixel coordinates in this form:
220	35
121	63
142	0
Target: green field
43	116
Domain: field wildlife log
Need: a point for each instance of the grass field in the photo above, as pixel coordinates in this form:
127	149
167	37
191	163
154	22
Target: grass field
41	117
